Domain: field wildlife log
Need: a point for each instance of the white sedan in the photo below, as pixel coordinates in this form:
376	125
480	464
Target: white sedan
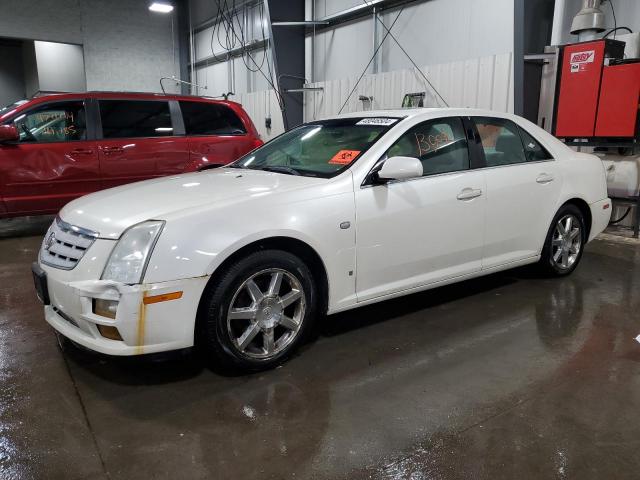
241	261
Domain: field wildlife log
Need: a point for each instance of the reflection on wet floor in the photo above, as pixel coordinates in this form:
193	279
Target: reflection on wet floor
503	377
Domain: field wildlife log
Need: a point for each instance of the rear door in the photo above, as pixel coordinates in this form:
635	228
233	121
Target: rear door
523	186
217	135
138	139
54	161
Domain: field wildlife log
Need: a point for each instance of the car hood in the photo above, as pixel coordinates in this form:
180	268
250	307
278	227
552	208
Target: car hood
110	212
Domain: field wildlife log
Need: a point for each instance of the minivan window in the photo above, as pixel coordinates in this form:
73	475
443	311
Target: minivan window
500	141
135	118
202	118
53	122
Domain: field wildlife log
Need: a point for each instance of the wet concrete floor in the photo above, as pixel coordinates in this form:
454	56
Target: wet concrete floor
509	376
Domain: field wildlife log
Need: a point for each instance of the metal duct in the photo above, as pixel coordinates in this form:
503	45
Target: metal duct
589	20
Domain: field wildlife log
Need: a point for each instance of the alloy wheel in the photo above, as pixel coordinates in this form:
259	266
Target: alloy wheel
266	313
566	242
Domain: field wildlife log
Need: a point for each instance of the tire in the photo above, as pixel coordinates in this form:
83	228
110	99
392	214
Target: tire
562	252
257	313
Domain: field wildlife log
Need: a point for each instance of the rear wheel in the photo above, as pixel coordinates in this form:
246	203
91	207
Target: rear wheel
259	311
565	242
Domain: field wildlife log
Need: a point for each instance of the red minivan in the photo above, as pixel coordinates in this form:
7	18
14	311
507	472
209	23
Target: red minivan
57	147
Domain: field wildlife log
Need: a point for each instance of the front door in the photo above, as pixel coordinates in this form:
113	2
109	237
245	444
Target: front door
54	161
425	230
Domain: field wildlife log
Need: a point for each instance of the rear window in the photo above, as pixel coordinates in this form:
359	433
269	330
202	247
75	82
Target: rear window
135	118
202	118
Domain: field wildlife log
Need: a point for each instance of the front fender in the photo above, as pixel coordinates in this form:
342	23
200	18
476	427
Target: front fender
197	243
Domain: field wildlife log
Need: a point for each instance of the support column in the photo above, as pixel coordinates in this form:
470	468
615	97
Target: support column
533	20
287	48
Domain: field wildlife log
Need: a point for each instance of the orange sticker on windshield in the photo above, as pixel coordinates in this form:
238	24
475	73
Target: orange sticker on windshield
344	157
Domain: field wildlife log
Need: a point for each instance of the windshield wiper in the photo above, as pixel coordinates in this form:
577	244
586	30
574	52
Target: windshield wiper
279	169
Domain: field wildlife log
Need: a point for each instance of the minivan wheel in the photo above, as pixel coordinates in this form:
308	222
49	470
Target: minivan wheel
565	242
258	312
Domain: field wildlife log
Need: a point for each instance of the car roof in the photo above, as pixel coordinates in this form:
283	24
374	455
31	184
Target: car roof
426	113
47	96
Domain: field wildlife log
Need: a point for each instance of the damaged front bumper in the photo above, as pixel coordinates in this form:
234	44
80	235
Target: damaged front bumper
144	318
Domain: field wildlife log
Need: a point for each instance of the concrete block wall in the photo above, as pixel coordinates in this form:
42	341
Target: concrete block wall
126	47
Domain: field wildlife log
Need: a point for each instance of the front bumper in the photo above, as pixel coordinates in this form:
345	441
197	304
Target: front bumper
144	328
600	216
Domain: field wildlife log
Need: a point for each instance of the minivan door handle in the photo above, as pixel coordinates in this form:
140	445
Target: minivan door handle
469	194
82	151
544	178
112	150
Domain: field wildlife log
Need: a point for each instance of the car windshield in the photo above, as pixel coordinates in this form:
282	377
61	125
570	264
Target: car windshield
318	149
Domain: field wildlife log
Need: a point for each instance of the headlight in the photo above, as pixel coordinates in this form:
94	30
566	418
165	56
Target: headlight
128	260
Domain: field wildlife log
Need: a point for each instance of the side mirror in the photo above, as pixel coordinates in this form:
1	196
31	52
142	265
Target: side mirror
400	168
9	133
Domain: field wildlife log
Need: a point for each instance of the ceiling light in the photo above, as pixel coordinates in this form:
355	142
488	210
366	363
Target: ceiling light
161	7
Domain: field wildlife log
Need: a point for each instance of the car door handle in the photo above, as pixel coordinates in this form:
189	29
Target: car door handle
544	178
112	150
82	151
469	194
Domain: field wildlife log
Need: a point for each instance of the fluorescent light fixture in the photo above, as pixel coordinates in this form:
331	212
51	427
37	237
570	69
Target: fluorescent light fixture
164	129
161	7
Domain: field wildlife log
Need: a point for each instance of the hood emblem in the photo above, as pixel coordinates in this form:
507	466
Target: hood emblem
49	240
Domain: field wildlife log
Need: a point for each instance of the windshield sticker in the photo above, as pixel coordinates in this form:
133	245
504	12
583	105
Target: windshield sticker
385	122
344	157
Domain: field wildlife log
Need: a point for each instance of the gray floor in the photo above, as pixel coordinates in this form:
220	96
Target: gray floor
503	377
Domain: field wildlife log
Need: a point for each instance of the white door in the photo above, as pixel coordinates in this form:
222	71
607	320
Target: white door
523	185
421	231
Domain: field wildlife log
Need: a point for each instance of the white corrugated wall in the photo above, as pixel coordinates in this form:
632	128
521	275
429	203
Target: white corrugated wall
485	82
261	105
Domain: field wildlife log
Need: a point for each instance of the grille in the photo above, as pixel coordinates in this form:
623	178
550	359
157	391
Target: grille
64	245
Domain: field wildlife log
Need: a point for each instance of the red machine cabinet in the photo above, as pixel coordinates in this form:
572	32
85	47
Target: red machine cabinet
581	66
619	97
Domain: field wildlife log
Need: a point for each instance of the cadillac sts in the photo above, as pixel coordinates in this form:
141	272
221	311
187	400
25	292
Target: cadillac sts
240	261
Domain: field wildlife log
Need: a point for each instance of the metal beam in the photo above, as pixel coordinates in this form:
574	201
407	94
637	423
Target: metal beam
300	24
212	21
361	10
236	52
304	89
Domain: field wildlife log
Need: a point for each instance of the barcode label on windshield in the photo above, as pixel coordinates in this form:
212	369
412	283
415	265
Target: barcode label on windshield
377	121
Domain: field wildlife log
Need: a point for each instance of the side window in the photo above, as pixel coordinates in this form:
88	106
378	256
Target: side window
441	146
54	122
134	118
501	141
533	151
202	118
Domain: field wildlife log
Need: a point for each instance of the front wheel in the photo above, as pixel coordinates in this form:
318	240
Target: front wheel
565	242
259	311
